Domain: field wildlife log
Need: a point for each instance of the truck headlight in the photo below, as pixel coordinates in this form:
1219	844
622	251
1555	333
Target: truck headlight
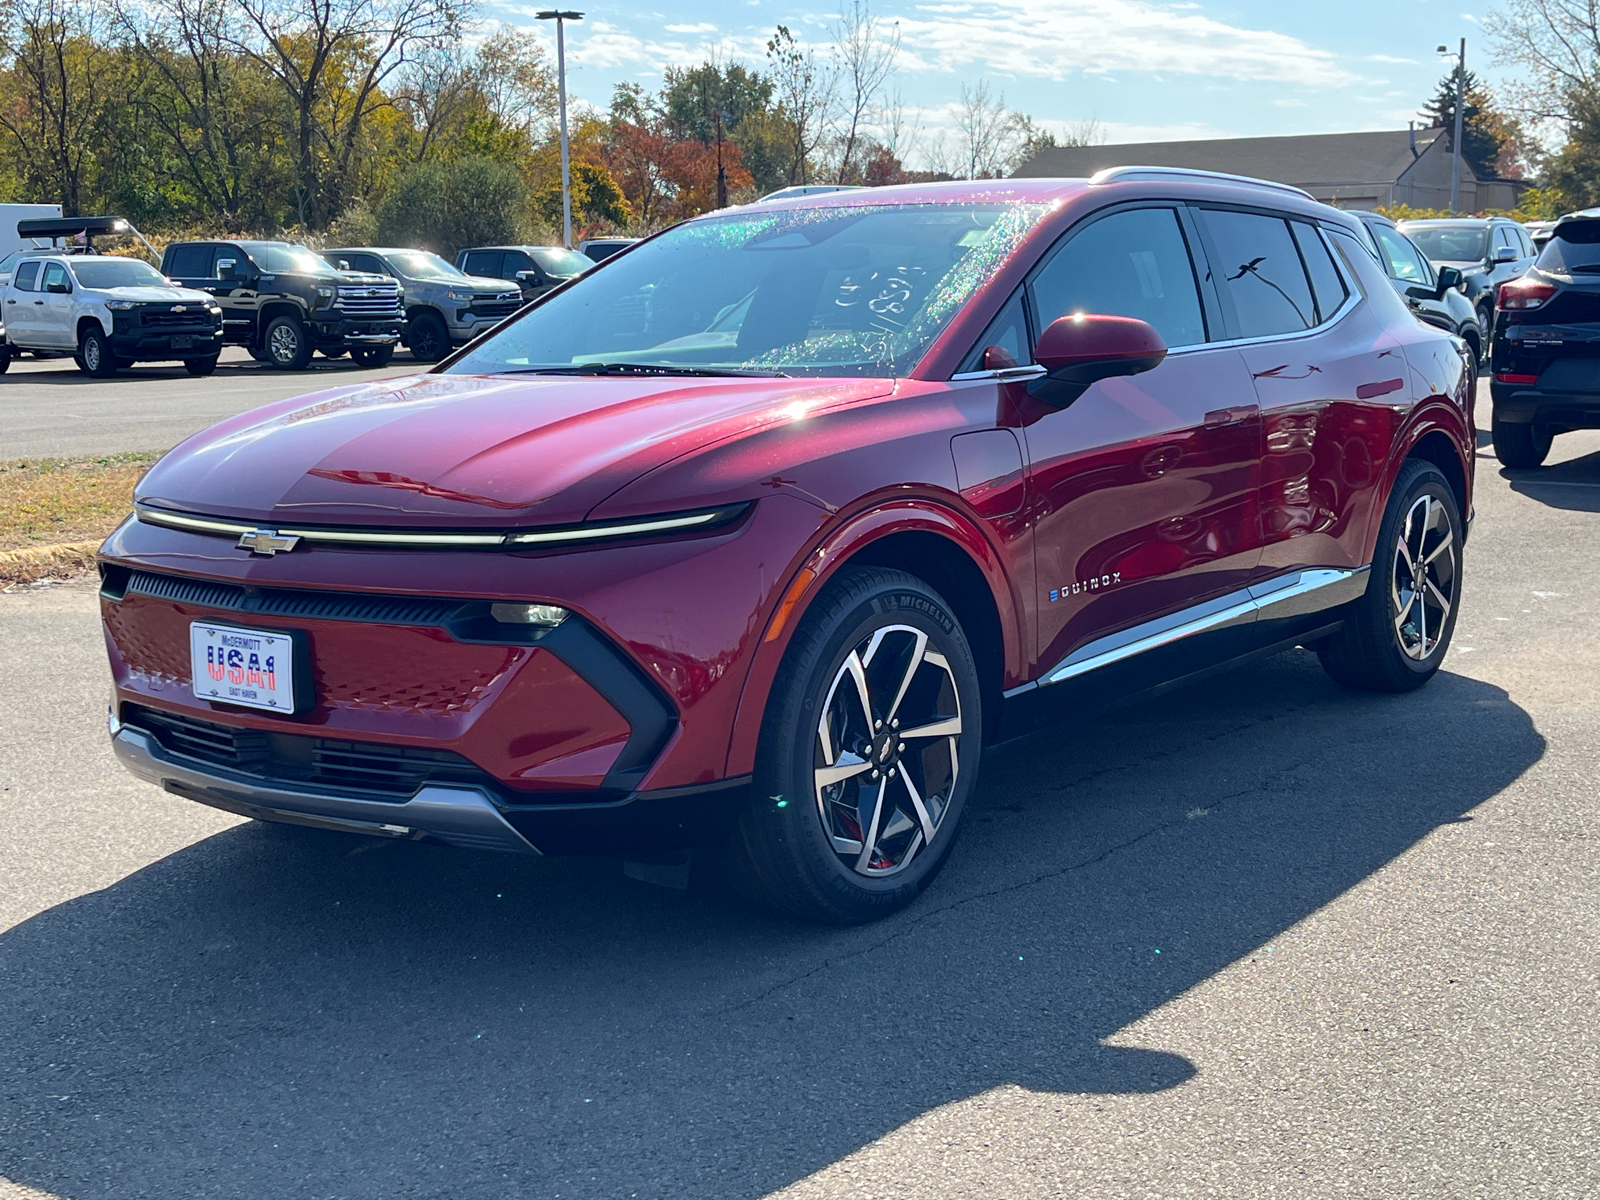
121	305
325	292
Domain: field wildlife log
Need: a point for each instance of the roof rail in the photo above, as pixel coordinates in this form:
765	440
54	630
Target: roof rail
1125	174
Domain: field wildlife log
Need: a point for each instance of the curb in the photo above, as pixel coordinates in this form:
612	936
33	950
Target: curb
34	563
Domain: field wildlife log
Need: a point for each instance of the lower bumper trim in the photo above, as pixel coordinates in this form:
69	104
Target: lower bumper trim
458	816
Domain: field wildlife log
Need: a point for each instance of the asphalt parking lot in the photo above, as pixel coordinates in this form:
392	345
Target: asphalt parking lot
49	408
1259	938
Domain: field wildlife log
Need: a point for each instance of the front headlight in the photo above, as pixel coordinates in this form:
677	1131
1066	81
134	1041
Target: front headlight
213	307
461	297
121	305
325	292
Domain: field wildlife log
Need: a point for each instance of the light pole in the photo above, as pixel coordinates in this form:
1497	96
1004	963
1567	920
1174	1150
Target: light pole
1461	90
561	18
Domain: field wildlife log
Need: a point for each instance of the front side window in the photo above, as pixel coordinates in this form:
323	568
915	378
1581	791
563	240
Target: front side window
1004	344
126	272
1260	270
1129	264
190	262
27	279
1405	261
55	278
860	290
484	262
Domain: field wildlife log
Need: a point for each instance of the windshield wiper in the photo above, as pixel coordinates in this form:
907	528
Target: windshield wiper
627	368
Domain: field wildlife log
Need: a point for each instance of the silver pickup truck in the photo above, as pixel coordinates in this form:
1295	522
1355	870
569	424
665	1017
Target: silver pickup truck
444	306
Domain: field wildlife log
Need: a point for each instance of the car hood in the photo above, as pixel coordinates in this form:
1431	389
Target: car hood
482	283
466	451
155	295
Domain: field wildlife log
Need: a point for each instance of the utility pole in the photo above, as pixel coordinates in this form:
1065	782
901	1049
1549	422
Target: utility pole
1455	161
561	18
722	175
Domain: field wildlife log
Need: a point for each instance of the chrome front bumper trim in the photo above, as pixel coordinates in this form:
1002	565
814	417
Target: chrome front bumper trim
460	816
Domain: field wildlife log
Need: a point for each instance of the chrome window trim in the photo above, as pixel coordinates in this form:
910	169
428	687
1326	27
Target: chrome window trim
501	539
1296	594
1344	310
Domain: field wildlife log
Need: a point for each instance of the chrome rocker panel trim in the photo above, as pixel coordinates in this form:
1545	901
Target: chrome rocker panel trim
460	816
1296	595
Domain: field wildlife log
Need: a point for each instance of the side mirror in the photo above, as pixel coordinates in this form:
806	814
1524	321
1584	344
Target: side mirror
227	268
1449	277
526	277
344	264
59	287
1505	254
1084	348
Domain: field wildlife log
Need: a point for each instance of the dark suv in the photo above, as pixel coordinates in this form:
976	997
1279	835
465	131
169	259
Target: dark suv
1547	345
283	302
1432	294
1488	251
537	269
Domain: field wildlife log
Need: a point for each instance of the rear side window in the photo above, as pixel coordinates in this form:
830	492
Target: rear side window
1327	285
484	262
1405	260
1260	270
189	262
1130	264
27	277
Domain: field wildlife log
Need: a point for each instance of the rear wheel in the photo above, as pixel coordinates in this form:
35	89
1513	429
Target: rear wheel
427	336
287	345
1521	446
94	353
200	366
868	752
372	356
1396	634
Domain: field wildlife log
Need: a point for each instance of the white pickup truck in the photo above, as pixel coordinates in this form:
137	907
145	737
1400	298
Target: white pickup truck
106	312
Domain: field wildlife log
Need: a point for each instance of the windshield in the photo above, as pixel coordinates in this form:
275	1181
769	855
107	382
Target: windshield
1447	244
127	272
423	264
288	258
1574	247
820	291
565	263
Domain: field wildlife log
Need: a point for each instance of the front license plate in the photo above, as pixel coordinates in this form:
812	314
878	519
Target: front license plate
183	342
242	666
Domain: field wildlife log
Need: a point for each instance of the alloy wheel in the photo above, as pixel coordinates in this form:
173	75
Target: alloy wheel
284	345
887	754
91	355
1422	584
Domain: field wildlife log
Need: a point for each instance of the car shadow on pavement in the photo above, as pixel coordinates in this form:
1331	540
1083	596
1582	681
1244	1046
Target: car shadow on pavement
284	1013
1573	485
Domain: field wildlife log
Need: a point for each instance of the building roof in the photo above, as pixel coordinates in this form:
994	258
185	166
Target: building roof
1311	160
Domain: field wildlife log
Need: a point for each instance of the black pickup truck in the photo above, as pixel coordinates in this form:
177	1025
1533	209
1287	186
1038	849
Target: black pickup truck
284	303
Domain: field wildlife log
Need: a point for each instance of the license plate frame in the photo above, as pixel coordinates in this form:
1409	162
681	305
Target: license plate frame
222	671
183	341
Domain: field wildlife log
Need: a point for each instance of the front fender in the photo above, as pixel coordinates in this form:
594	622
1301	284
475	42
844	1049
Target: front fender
837	544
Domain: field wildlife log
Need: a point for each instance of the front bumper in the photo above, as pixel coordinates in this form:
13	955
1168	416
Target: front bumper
356	331
143	343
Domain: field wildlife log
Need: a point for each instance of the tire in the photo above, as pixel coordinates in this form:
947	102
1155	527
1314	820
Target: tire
94	353
260	355
6	355
875	621
1521	447
287	346
372	356
200	366
1388	643
427	336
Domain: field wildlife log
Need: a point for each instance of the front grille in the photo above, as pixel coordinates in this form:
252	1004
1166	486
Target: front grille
166	318
496	309
370	770
288	602
368	300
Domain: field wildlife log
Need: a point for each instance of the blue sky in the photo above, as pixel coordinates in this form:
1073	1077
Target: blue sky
1145	71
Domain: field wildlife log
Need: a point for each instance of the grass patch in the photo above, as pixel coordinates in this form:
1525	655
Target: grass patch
48	501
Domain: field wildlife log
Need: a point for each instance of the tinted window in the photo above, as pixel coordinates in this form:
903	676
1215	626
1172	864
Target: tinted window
287	258
1502	236
1526	243
27	277
1008	332
1130	264
189	262
1575	246
1405	261
55	276
484	262
1260	270
242	266
563	264
516	261
1327	285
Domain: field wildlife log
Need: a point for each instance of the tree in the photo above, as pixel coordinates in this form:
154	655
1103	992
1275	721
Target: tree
597	200
867	54
988	135
443	206
691	98
1490	141
804	92
1557	45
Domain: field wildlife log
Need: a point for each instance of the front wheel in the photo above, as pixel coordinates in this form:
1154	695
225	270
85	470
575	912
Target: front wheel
371	356
1521	447
287	345
94	353
868	752
1396	634
427	336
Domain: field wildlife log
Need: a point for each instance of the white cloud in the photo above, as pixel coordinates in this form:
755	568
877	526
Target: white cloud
703	27
1046	38
1389	58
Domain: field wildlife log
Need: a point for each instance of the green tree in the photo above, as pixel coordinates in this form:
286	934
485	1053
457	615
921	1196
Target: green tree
1490	140
443	206
691	97
597	201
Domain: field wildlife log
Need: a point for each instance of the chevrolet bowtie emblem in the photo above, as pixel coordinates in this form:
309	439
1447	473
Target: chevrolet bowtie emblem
268	542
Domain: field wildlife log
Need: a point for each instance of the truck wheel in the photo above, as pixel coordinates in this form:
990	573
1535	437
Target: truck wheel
5	359
200	366
287	346
371	356
260	355
1521	446
94	354
427	336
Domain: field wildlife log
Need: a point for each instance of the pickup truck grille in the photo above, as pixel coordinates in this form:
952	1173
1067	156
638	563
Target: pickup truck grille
496	308
166	316
369	299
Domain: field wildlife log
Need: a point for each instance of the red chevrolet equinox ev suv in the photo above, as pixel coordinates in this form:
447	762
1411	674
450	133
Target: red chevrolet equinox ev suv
755	535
